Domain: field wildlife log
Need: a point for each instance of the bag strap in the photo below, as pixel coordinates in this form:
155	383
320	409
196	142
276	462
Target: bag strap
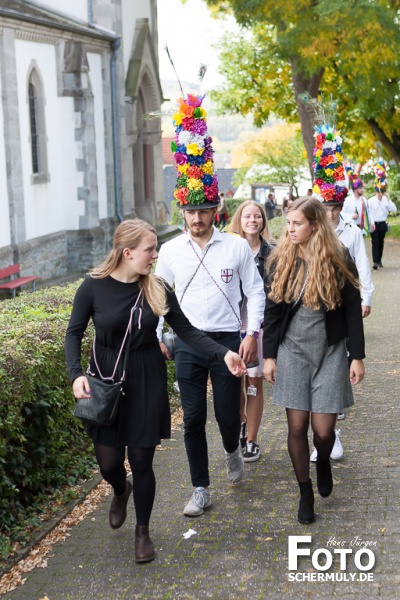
201	259
212	278
129	330
301	292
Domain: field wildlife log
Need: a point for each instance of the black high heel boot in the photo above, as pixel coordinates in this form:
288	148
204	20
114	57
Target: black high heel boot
324	477
306	504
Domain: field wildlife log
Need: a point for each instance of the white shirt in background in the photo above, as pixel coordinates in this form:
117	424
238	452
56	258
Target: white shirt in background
351	237
379	209
354	205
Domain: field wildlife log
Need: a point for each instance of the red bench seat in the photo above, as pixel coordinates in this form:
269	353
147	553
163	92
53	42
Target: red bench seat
15	282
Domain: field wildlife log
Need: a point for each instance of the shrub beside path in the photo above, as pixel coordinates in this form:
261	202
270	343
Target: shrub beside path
239	550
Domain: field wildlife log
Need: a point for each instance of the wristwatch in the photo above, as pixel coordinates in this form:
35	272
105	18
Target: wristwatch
253	334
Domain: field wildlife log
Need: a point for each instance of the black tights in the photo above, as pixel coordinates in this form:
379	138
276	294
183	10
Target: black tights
111	463
323	426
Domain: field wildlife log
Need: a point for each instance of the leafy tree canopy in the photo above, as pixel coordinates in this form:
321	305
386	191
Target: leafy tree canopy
347	49
279	155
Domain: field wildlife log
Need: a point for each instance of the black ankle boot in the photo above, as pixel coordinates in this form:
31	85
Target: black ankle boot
144	549
306	504
324	477
117	514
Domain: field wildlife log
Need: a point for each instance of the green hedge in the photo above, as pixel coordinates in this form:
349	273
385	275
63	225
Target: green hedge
43	448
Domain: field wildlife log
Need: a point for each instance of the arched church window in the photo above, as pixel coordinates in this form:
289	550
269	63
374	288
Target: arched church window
33	122
37	126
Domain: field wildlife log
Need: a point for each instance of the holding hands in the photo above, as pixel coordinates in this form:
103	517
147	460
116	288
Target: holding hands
235	363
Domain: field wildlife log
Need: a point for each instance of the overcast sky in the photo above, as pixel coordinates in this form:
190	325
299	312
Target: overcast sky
189	32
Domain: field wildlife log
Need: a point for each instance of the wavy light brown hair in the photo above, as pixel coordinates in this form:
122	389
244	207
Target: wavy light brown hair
129	234
236	225
327	266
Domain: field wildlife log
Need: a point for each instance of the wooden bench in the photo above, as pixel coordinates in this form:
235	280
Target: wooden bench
14	280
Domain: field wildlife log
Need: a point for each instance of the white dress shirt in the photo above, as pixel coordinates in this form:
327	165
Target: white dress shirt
379	209
354	205
351	237
229	261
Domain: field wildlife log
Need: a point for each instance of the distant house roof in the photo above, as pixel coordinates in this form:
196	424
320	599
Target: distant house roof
225	182
167	154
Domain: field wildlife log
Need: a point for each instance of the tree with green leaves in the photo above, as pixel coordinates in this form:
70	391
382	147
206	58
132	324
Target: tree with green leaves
281	161
347	49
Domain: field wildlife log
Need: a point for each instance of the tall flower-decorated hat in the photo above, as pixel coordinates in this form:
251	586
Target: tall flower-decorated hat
329	173
354	181
380	182
196	185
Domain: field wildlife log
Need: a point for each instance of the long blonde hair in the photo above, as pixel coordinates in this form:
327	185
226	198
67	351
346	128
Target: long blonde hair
236	221
129	235
327	267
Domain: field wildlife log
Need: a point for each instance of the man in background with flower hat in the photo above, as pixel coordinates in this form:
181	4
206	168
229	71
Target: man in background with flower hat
330	188
356	205
208	269
379	207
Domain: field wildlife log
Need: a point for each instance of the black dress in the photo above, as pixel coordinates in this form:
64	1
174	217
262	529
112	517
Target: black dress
144	415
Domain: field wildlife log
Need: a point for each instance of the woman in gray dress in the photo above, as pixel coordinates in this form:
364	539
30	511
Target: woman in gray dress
313	305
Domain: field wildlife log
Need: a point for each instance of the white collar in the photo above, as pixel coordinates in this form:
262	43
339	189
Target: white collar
216	236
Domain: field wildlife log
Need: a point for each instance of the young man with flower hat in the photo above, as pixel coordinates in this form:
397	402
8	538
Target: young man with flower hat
356	205
379	206
208	269
330	187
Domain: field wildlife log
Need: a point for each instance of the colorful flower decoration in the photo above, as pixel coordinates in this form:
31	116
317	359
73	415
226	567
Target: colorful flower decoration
380	182
354	181
196	184
329	173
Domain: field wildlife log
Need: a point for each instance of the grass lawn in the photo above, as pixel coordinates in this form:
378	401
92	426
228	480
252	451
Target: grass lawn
394	223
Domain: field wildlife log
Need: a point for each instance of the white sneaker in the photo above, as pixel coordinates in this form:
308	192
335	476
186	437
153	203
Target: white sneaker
337	450
341	416
198	502
235	465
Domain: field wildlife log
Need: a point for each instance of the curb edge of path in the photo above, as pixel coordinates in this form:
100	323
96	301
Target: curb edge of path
51	524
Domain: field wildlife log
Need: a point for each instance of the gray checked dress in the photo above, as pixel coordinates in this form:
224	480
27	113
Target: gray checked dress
310	375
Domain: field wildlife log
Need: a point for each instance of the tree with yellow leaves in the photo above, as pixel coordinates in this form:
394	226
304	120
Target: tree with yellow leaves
349	50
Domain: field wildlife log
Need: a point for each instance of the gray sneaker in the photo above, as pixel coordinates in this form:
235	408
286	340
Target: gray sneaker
235	465
198	502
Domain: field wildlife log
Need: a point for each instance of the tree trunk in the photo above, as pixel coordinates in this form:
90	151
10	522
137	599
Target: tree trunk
393	148
302	84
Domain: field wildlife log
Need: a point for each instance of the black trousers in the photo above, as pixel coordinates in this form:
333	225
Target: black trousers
192	370
377	240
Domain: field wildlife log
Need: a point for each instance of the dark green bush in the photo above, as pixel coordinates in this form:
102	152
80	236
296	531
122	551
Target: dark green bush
42	447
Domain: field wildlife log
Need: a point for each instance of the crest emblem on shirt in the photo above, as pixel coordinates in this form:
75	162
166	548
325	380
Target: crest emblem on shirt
226	275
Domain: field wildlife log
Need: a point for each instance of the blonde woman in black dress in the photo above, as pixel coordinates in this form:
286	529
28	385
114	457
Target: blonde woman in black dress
107	296
313	304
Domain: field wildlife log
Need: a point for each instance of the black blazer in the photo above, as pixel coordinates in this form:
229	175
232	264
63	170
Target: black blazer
263	253
341	323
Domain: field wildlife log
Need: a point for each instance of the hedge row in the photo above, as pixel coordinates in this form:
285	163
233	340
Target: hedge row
42	446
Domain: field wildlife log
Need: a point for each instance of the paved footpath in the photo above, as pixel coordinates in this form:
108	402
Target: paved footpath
240	548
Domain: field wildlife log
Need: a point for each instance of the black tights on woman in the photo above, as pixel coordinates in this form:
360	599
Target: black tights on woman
323	426
111	463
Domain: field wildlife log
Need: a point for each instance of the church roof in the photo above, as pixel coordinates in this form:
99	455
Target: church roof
33	12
